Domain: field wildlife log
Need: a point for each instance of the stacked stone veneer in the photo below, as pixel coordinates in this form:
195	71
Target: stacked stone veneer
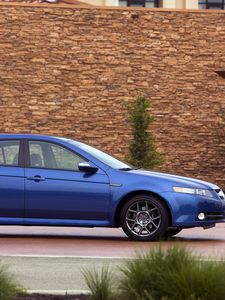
72	72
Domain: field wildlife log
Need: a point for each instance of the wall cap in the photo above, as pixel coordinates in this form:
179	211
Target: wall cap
84	6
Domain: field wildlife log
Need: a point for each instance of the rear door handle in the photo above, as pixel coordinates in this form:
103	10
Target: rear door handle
36	178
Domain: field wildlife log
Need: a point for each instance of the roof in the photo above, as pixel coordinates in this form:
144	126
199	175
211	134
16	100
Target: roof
70	2
27	136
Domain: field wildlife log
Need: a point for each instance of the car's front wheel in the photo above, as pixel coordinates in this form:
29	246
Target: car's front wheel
144	218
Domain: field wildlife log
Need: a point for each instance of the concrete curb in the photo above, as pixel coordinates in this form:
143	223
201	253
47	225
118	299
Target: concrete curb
59	292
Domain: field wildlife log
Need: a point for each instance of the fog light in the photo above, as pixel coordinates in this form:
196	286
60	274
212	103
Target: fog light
201	216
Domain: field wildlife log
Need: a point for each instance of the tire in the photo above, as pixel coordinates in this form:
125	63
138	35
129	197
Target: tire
144	218
172	232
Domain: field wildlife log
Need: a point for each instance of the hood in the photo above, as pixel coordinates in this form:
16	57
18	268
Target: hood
176	179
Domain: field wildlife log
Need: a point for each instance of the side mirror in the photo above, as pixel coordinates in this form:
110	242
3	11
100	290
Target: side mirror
87	168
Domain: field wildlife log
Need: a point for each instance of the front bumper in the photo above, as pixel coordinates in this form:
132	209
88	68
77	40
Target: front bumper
185	209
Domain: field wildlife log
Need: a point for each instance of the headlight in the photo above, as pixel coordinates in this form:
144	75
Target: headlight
201	192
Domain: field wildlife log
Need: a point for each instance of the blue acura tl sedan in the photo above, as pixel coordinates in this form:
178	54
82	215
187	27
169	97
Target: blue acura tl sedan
54	181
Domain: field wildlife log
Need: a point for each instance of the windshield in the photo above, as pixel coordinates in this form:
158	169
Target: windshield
103	157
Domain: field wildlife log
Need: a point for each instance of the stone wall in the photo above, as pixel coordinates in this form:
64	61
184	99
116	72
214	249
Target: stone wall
73	71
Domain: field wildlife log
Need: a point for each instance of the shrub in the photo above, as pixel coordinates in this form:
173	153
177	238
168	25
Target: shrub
142	151
100	285
171	274
8	287
221	131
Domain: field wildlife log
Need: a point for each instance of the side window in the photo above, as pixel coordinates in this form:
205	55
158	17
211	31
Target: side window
52	156
9	153
36	155
65	159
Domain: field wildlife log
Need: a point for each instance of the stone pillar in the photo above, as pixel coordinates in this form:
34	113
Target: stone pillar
192	4
112	2
169	3
180	4
95	2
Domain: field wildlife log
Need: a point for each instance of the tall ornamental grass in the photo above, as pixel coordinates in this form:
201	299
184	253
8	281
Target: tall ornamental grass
8	286
172	274
100	284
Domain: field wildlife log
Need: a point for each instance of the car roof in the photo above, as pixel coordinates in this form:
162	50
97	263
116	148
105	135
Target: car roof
31	136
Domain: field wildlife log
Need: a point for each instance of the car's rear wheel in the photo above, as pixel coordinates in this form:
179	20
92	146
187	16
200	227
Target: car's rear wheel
144	218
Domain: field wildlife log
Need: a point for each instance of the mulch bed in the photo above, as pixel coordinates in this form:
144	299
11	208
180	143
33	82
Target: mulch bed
52	297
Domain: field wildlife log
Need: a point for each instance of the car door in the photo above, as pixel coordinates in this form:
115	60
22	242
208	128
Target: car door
56	189
11	180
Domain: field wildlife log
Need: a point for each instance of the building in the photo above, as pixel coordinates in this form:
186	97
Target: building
170	4
73	71
174	4
179	4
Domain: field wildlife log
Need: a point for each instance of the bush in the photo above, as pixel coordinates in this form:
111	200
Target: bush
171	274
100	285
8	287
142	151
221	131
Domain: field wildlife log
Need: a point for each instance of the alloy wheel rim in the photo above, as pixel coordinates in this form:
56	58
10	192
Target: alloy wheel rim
143	218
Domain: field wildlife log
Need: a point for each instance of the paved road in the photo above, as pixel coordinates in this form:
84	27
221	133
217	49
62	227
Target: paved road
101	242
44	258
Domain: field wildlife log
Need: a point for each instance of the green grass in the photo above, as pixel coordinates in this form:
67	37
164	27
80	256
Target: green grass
8	286
100	285
172	274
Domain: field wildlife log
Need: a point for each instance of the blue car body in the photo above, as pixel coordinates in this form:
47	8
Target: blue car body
34	195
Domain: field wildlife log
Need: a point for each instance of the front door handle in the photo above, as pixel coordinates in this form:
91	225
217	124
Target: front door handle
36	178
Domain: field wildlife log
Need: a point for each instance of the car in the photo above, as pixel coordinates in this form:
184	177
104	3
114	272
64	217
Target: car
54	181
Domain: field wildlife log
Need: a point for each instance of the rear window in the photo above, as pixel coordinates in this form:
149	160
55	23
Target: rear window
9	153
